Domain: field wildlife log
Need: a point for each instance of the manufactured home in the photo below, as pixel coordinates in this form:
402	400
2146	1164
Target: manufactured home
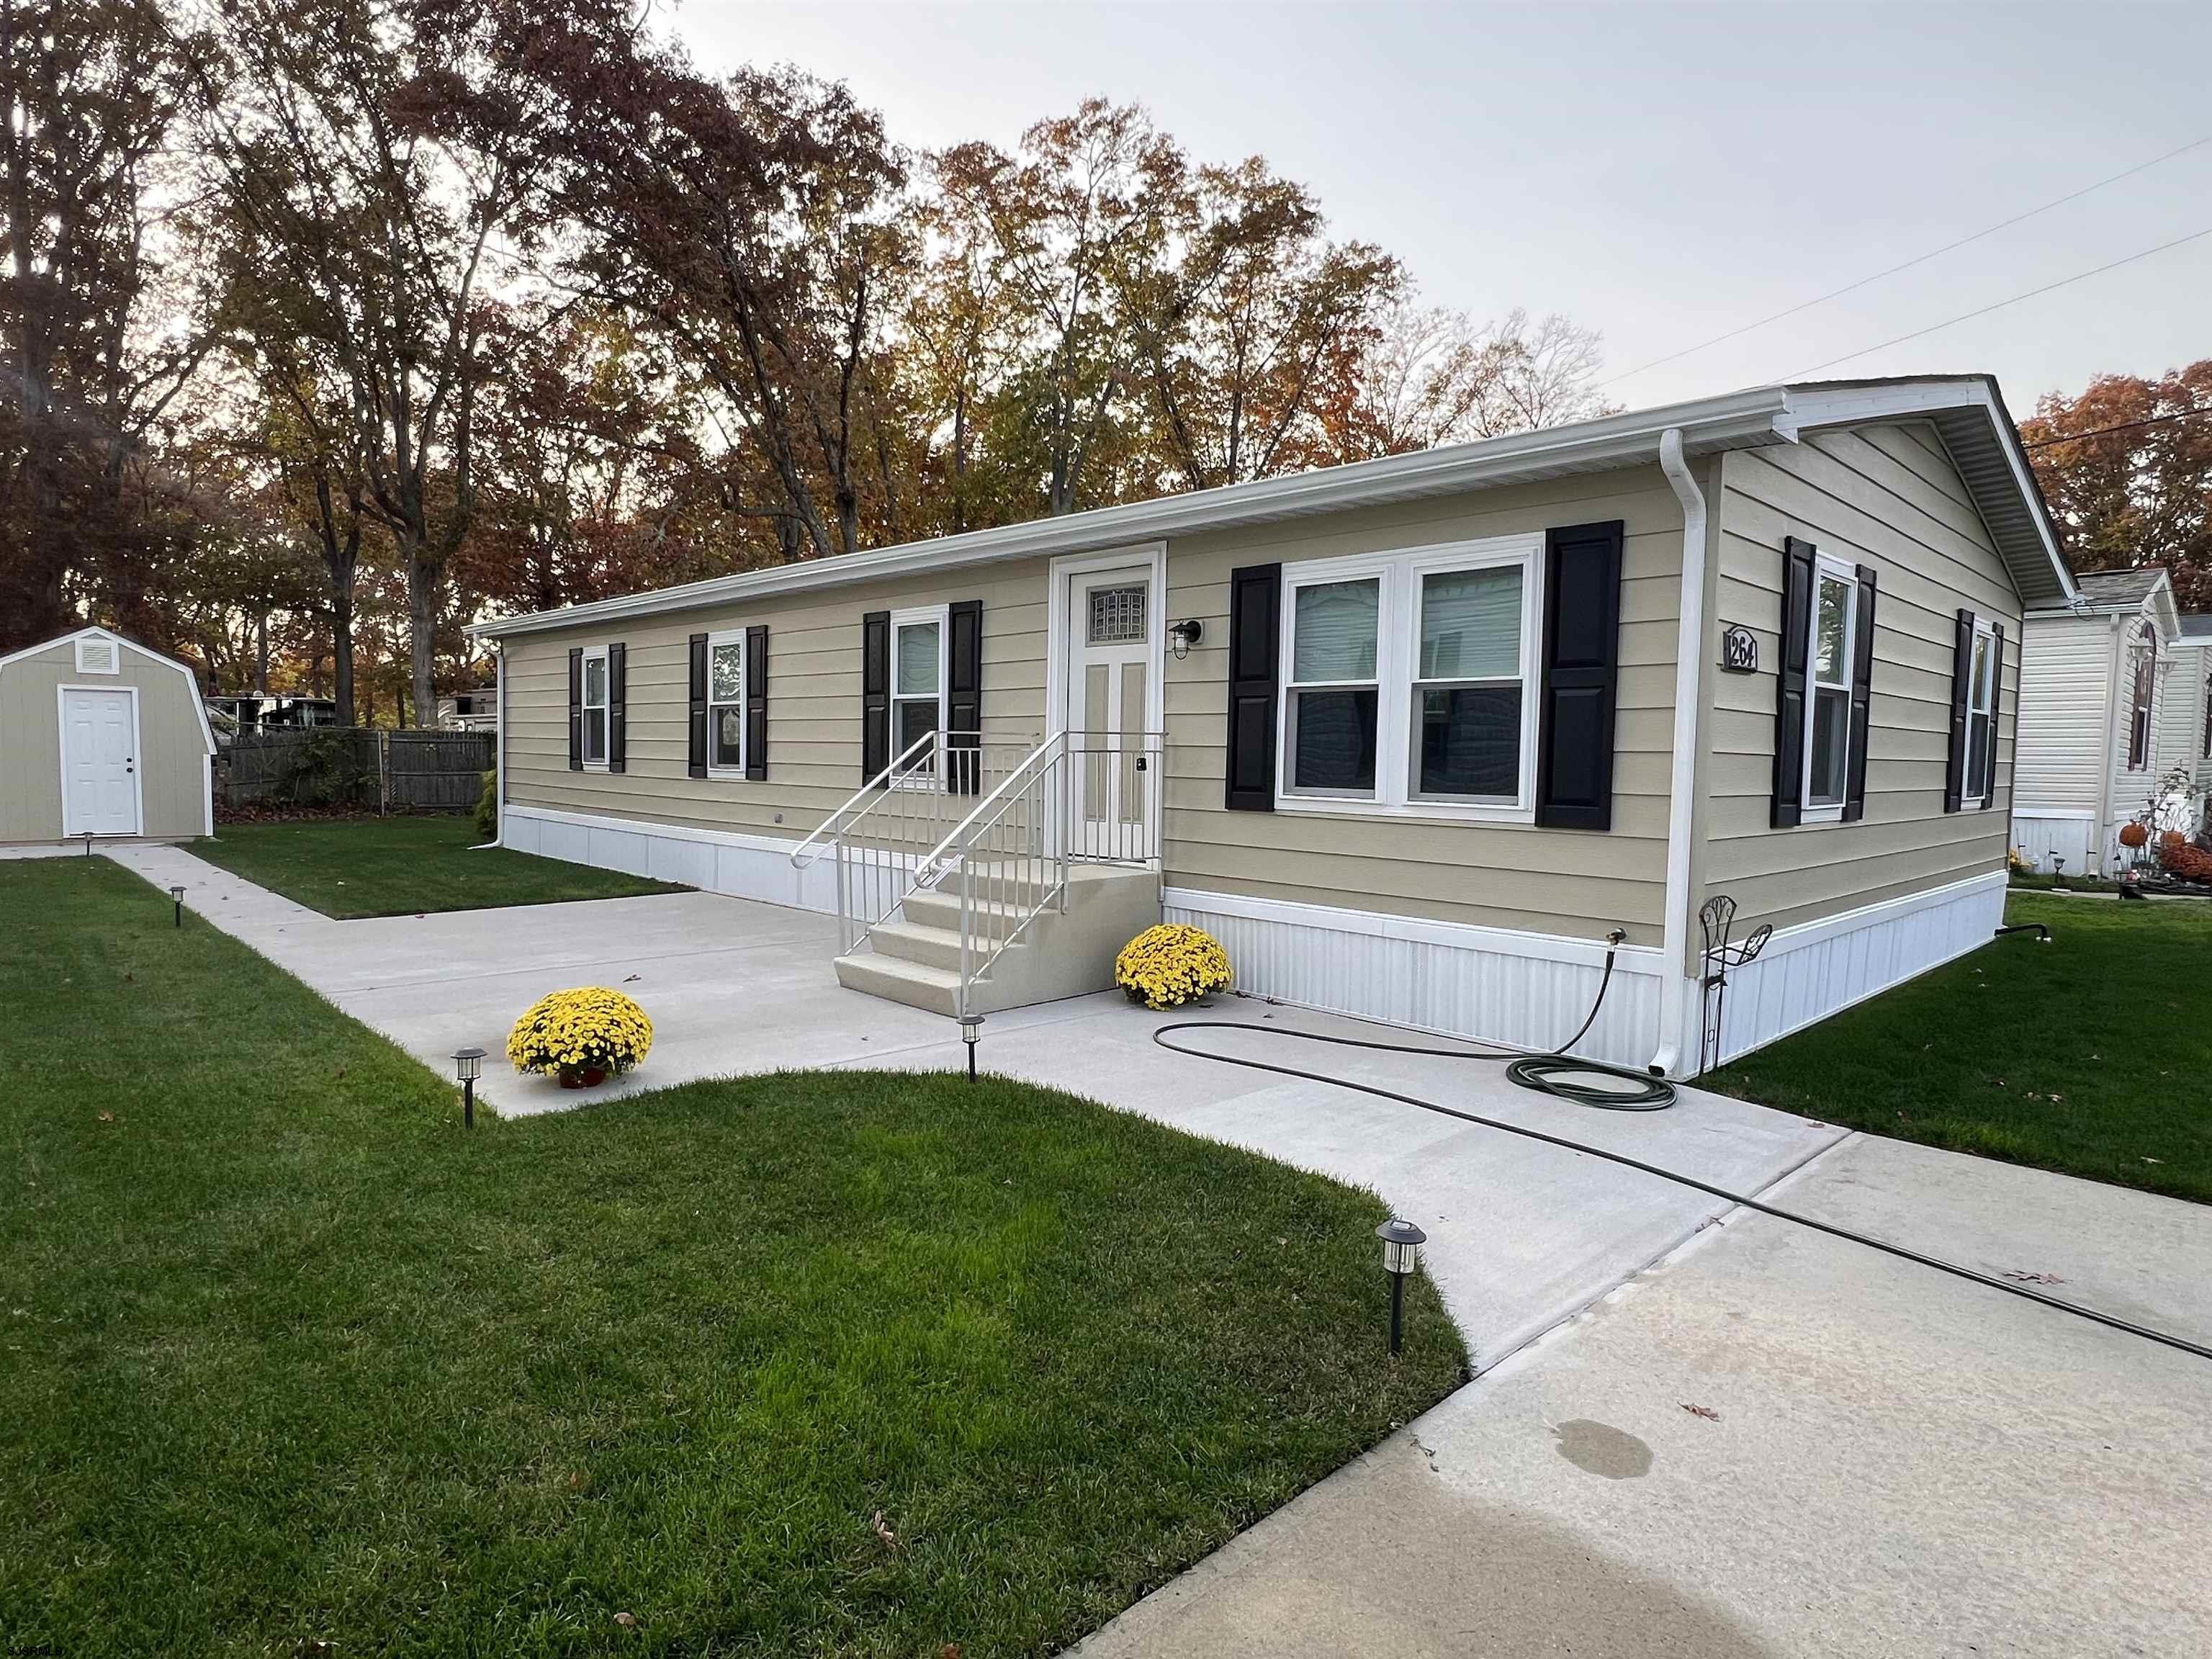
2098	721
2186	729
1430	739
101	737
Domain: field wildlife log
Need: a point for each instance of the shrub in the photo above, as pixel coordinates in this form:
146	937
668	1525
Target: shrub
2184	862
487	807
1171	964
588	1029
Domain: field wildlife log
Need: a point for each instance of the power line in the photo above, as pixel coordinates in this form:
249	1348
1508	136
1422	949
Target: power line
1984	310
1919	259
2125	425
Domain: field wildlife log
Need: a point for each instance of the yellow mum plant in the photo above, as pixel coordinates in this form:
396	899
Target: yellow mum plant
581	1035
1166	966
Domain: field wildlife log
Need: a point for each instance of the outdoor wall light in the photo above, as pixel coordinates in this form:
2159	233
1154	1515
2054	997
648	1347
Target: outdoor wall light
1184	635
971	1033
177	894
1401	1254
468	1066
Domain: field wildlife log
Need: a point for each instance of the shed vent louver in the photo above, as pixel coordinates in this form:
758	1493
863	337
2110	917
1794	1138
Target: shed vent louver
96	656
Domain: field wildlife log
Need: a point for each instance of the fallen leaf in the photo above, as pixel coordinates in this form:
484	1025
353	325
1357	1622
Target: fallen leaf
2022	1276
626	1621
632	979
950	1650
108	1117
884	1533
2154	1160
1705	1412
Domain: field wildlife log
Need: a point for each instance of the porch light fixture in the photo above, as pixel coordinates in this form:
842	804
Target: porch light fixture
1184	635
178	895
971	1033
1401	1254
468	1066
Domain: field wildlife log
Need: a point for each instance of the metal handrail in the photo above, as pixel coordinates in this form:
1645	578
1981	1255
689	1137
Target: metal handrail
806	852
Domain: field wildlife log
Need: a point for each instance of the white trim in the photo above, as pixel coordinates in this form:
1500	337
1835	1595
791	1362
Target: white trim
941	615
732	862
499	742
723	772
1379	924
1398	574
1690	702
138	752
2071	814
1801	935
606	708
1060	625
192	680
98	636
1983	630
1825	565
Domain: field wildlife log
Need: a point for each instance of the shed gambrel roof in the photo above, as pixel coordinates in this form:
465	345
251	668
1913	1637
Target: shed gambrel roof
1966	412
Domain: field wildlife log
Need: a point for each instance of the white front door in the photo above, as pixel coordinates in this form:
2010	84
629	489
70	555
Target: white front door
1110	628
99	762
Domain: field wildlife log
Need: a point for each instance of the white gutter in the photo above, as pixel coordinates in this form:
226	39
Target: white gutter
1682	791
2112	761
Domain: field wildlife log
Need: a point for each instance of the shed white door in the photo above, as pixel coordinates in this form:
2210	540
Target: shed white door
99	762
1108	692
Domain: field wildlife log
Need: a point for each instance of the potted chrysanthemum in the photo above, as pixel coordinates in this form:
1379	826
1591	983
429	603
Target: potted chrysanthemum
1171	965
580	1037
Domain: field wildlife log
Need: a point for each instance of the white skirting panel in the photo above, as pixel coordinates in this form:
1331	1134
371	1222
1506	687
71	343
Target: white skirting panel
1809	972
2068	834
743	867
1530	990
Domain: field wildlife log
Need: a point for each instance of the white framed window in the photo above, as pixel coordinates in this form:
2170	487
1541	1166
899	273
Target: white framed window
98	654
1409	682
2144	657
1834	650
919	639
1981	715
726	704
595	707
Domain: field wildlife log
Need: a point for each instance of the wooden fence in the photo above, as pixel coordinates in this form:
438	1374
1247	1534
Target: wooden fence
340	766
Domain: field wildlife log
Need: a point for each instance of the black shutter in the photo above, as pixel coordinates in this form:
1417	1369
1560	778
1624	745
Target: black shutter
1997	717
1581	663
1790	683
576	709
756	702
875	694
1255	600
964	698
1861	700
696	750
617	707
1962	687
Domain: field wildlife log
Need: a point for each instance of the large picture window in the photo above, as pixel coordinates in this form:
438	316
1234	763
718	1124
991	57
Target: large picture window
595	707
1981	715
1408	689
726	704
917	676
1828	689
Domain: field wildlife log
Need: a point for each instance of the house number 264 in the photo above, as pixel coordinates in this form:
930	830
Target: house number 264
1740	650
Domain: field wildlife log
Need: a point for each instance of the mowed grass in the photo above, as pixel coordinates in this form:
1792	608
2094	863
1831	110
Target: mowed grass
394	867
815	1363
2092	1055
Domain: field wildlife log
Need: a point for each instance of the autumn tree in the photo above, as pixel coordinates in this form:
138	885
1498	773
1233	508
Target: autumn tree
2126	467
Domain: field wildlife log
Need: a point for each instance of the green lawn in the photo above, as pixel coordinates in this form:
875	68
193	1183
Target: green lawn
2092	1055
348	867
290	1359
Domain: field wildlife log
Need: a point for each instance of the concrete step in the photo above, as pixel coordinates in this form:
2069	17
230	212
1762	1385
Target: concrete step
916	984
940	911
933	946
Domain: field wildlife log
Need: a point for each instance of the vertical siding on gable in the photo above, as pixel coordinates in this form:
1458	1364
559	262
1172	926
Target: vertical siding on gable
1888	497
1503	875
2065	712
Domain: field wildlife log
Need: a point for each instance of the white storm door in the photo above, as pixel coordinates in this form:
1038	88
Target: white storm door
1108	692
99	762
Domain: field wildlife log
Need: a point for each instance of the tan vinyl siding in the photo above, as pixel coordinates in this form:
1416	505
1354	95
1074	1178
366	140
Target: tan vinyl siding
2065	712
1504	875
172	754
813	704
1887	497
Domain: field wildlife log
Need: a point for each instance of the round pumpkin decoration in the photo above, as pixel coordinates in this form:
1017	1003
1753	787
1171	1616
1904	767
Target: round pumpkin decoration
2134	835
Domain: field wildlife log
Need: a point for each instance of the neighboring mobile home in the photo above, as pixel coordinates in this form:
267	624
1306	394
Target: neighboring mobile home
100	736
1415	737
2185	721
2095	735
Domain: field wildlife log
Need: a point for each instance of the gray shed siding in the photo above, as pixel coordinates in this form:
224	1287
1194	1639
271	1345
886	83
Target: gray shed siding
173	749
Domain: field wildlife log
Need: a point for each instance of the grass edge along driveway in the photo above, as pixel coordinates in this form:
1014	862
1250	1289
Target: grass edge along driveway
351	867
2091	1056
814	1362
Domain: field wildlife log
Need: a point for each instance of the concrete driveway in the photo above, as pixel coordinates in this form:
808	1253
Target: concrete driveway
1882	1460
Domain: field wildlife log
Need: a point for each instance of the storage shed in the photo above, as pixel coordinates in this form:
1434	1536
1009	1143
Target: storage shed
100	735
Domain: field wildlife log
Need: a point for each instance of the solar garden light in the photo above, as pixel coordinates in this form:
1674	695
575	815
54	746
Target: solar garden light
87	843
178	895
468	1066
1402	1254
971	1032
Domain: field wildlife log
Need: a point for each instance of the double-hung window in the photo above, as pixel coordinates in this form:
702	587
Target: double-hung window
1409	685
1981	715
726	704
595	705
917	677
2145	658
1828	689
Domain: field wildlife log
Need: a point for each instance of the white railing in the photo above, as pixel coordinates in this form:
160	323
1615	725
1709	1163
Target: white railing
1077	798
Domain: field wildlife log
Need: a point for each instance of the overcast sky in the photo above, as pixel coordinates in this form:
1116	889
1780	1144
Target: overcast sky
1661	172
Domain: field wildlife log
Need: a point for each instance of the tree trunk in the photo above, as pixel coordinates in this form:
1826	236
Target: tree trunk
341	646
423	576
261	655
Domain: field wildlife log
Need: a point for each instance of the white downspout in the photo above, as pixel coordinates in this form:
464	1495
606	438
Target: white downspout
1682	791
2101	832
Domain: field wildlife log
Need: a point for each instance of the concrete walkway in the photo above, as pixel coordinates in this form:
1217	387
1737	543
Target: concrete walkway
1894	1462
